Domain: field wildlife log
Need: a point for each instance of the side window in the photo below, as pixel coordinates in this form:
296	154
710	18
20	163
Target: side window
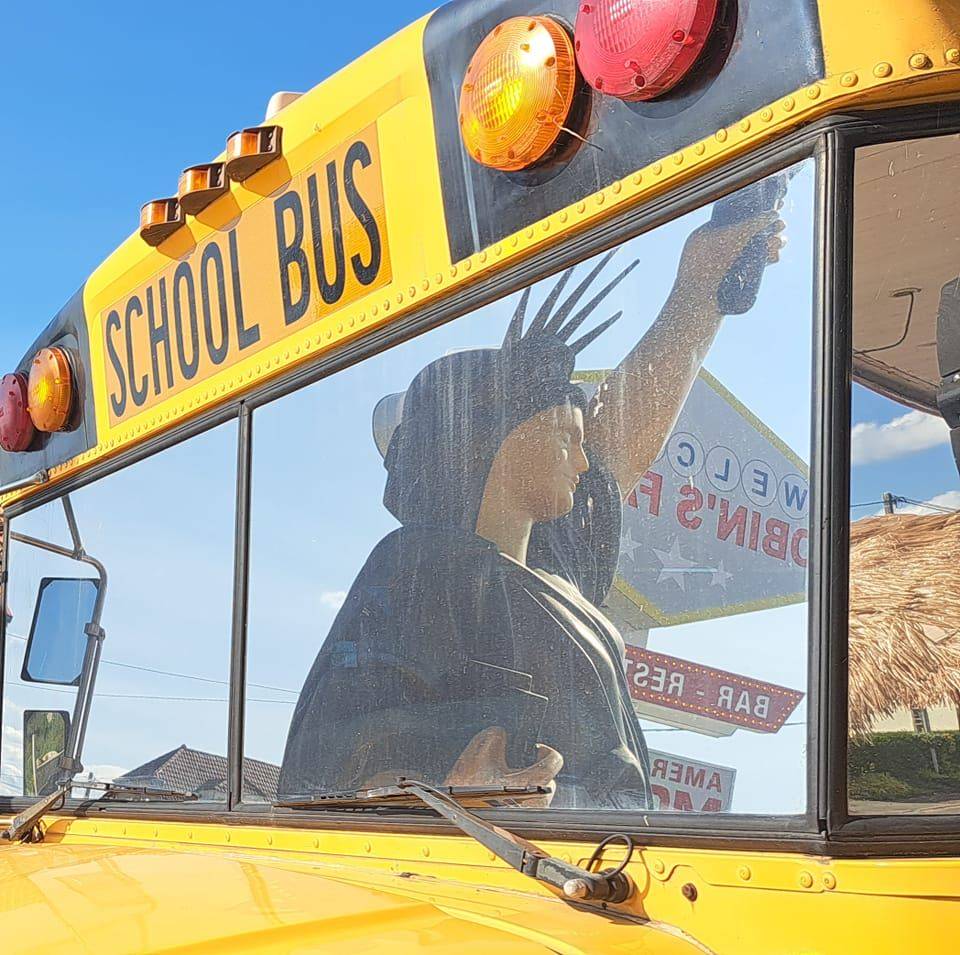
559	542
164	531
904	751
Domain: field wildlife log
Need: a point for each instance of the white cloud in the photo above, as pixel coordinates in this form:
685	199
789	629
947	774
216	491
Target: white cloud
333	598
949	499
914	431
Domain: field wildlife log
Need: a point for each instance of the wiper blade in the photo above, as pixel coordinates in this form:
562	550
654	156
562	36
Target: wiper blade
120	791
400	797
573	881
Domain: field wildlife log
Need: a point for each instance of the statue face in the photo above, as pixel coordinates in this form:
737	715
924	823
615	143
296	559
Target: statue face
540	462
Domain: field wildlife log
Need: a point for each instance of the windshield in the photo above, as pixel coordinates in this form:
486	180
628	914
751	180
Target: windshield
573	550
164	529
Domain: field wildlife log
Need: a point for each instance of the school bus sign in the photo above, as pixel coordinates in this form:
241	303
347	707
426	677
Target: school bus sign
235	293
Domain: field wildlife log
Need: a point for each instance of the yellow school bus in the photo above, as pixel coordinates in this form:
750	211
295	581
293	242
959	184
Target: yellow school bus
525	470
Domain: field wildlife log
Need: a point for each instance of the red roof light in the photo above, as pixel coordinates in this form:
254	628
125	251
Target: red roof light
16	427
639	49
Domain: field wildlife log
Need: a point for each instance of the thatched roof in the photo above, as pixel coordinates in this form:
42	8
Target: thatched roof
904	614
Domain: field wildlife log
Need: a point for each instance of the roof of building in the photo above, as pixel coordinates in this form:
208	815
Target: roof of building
192	770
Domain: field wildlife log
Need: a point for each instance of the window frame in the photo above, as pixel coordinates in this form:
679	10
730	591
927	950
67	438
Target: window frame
827	142
849	834
203	809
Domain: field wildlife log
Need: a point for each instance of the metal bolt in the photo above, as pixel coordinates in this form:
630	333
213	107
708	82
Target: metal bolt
849	79
952	55
920	61
659	867
744	873
806	880
882	70
425	851
829	881
689	892
576	889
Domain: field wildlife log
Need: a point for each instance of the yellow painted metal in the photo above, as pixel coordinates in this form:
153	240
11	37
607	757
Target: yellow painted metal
125	885
877	54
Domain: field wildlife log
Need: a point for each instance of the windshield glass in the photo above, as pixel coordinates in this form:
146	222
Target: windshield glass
561	541
163	529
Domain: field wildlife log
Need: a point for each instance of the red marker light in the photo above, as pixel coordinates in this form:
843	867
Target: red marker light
16	426
639	49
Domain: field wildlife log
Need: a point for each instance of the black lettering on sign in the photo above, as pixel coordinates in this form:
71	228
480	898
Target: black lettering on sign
159	335
184	276
211	255
246	335
291	254
330	292
117	401
365	272
137	391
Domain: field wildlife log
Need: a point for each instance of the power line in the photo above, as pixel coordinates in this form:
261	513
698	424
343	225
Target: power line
137	696
182	676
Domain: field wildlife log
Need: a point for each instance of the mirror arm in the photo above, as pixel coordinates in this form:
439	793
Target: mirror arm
70	763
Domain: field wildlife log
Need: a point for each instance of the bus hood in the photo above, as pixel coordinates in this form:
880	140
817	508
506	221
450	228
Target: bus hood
57	897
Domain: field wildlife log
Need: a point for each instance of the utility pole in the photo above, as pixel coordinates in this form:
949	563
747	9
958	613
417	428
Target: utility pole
888	503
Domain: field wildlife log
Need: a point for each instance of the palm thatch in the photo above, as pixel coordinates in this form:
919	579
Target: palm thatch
904	615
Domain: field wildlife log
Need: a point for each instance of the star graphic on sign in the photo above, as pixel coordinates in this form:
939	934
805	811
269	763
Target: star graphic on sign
629	544
720	576
673	565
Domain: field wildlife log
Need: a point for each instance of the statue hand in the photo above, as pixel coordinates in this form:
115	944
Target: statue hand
484	763
710	252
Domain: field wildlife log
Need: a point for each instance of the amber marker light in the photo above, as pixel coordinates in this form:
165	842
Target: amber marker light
639	49
159	218
50	389
249	150
16	427
201	185
517	92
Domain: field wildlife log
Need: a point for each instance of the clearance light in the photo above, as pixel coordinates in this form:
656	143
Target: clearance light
249	150
16	428
517	92
638	49
200	185
159	218
50	389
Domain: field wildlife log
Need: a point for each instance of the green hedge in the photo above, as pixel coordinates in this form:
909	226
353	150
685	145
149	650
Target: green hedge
900	765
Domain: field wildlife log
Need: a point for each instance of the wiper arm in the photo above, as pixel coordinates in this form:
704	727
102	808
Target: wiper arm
573	881
23	825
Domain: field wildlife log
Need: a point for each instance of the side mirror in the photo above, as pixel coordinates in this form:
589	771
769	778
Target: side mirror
948	356
45	734
58	641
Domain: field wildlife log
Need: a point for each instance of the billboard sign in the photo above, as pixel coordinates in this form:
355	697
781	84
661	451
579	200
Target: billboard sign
715	702
689	785
718	524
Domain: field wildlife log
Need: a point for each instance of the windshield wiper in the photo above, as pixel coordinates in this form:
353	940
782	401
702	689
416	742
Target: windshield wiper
573	881
120	791
25	824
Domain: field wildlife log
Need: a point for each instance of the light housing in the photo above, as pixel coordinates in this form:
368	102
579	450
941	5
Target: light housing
50	389
201	185
249	150
639	49
16	426
517	92
159	219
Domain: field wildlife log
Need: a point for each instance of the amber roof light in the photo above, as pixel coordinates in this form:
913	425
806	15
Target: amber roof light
517	92
50	389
